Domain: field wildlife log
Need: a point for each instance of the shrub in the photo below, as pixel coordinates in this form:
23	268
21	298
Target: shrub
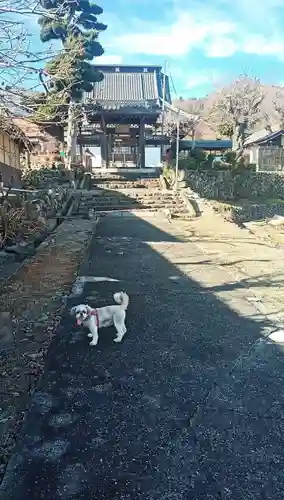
15	225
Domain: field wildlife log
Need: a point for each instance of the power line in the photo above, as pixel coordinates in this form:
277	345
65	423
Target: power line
173	83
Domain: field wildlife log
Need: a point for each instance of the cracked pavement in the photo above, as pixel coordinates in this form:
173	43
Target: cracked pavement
188	406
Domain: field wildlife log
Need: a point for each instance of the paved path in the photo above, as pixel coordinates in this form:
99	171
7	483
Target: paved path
189	406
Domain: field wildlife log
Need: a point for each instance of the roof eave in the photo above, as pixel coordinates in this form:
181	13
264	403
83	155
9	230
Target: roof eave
269	137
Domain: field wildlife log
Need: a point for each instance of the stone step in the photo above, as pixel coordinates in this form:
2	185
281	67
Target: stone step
135	206
120	195
129	194
124	180
125	186
124	174
103	210
165	199
114	180
115	199
127	201
122	187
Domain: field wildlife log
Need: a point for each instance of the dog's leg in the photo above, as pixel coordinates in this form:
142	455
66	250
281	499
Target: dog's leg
93	333
119	324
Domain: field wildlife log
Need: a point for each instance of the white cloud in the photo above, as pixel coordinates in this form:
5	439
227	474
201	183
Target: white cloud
109	59
221	47
176	39
220	31
208	79
262	45
198	80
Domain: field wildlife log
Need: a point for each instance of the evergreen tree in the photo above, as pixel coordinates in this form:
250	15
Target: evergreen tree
70	73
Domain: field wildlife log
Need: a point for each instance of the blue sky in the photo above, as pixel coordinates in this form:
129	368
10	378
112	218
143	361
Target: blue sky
205	46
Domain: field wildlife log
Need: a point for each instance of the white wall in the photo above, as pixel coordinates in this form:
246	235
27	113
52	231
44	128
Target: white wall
97	158
152	156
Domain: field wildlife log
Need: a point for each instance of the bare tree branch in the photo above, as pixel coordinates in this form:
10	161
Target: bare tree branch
236	110
239	102
278	105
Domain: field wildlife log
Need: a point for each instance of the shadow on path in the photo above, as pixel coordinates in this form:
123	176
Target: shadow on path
189	406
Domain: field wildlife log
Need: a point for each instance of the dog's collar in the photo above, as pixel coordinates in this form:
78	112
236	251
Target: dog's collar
94	312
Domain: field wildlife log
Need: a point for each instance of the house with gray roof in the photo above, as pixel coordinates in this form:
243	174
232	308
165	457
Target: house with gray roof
266	149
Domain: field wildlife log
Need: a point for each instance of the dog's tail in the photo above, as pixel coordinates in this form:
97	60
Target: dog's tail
122	299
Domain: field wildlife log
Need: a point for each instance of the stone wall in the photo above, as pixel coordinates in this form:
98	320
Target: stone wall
28	215
224	186
247	212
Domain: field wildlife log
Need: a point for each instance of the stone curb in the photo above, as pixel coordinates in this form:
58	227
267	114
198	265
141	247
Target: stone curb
192	203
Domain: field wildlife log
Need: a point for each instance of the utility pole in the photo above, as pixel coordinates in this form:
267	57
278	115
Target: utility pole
177	150
163	104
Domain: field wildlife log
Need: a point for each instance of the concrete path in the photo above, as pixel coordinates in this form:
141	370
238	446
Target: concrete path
189	406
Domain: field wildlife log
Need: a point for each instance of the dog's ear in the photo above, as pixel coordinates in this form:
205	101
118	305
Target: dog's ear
89	309
73	311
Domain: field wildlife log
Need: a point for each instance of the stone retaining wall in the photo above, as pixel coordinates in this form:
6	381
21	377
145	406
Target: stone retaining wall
223	185
249	212
27	216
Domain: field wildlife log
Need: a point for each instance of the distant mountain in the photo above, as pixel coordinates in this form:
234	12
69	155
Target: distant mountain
206	130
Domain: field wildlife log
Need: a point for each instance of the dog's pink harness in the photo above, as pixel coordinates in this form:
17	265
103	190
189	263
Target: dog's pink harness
95	313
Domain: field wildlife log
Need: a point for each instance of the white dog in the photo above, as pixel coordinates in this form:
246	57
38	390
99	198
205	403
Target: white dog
103	317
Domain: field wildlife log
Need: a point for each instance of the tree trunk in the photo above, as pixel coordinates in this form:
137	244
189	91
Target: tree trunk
239	140
193	142
72	133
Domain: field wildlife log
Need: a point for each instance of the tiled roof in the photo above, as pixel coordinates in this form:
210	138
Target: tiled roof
9	127
39	132
260	135
271	136
128	87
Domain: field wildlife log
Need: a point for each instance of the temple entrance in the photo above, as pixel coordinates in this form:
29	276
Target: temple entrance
124	155
123	147
121	114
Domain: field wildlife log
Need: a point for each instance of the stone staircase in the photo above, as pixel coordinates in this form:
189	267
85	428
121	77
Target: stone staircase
120	194
115	181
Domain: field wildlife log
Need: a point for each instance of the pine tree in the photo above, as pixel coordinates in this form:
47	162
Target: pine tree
70	73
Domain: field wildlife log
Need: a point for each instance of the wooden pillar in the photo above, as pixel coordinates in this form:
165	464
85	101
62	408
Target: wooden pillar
104	146
142	143
109	148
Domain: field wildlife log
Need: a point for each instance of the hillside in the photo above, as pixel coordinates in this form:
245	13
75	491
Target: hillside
205	129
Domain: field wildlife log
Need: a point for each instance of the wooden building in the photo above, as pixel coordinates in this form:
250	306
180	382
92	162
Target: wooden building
13	143
122	112
265	150
46	141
